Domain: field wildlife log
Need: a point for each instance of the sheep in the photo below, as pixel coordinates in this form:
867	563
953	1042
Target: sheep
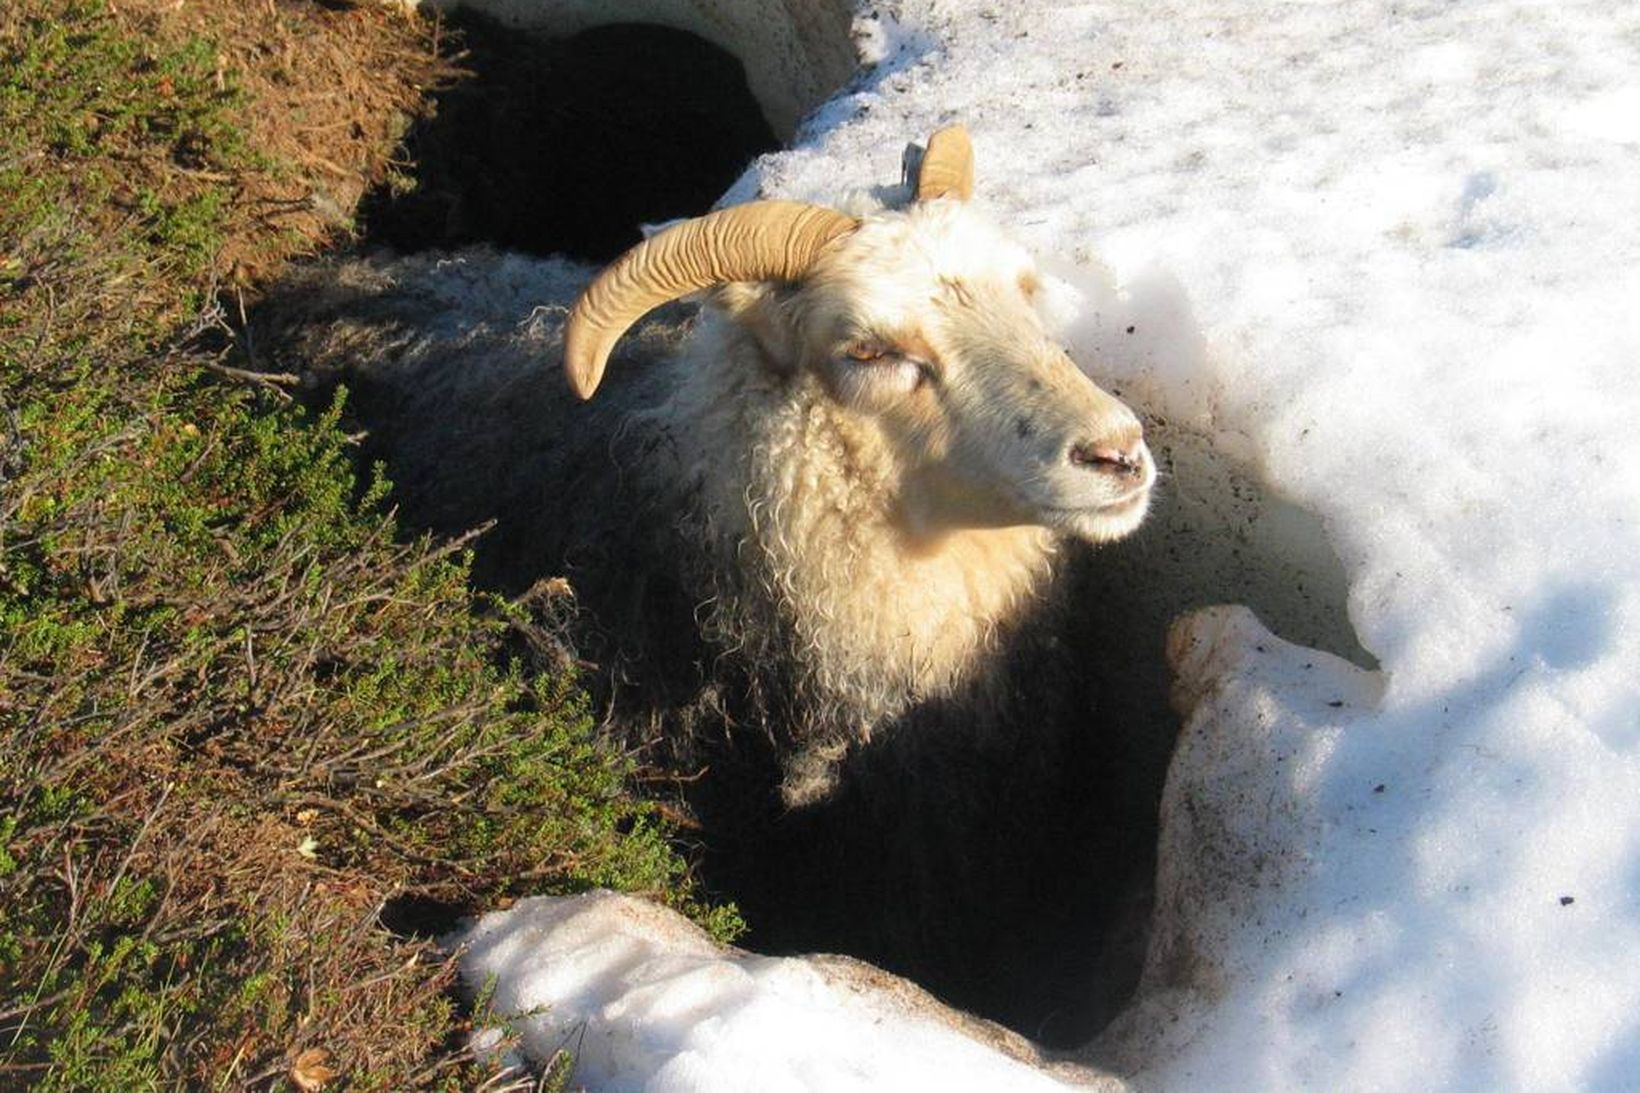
816	533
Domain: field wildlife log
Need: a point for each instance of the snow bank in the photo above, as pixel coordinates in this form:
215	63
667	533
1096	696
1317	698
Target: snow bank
1386	262
645	1000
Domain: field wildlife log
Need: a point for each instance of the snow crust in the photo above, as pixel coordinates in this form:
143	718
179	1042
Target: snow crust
1383	261
646	1001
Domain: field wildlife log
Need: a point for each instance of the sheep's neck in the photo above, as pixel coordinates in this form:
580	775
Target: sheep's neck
902	617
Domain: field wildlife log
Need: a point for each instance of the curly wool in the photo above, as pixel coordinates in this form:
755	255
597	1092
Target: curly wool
808	556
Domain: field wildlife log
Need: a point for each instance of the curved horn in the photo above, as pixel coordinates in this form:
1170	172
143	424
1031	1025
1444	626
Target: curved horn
760	241
948	166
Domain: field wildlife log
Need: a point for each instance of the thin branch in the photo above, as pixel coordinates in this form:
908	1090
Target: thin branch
277	382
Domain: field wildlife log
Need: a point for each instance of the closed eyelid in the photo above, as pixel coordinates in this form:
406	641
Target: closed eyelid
903	346
867	349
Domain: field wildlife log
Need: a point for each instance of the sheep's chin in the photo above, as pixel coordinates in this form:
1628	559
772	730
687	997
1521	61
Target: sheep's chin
1104	523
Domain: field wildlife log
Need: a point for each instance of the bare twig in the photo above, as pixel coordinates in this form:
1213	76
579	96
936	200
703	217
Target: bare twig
277	382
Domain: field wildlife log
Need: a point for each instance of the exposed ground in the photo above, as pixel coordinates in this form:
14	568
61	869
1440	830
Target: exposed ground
240	713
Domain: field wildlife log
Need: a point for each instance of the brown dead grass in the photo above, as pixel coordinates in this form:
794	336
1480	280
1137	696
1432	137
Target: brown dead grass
331	92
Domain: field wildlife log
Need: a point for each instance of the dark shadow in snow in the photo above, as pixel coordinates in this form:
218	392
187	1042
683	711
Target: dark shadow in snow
1573	625
567	145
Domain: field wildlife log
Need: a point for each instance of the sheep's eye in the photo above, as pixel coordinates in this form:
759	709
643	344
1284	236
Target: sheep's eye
868	352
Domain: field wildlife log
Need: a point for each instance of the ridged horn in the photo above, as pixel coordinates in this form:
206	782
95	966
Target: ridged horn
948	166
760	241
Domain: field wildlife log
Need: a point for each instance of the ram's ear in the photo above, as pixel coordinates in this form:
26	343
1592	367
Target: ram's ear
760	308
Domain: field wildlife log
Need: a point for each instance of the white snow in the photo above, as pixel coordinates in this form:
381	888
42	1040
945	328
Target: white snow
646	1001
1385	259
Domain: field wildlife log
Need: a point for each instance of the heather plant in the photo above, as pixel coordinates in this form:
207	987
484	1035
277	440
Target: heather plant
241	712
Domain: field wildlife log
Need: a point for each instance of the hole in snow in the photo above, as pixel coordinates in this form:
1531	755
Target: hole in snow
1031	908
566	145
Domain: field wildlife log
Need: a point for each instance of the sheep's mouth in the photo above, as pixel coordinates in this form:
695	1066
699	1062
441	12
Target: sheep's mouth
1129	502
1103	521
1138	497
1135	498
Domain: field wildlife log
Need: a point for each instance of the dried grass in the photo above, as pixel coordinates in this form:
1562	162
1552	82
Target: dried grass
239	713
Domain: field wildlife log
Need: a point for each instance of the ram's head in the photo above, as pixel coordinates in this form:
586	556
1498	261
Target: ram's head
923	320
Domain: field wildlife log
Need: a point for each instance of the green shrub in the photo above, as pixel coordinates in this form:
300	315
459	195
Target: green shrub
239	710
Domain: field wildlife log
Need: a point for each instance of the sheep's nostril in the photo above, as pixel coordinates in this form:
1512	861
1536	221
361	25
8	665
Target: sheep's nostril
1107	458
